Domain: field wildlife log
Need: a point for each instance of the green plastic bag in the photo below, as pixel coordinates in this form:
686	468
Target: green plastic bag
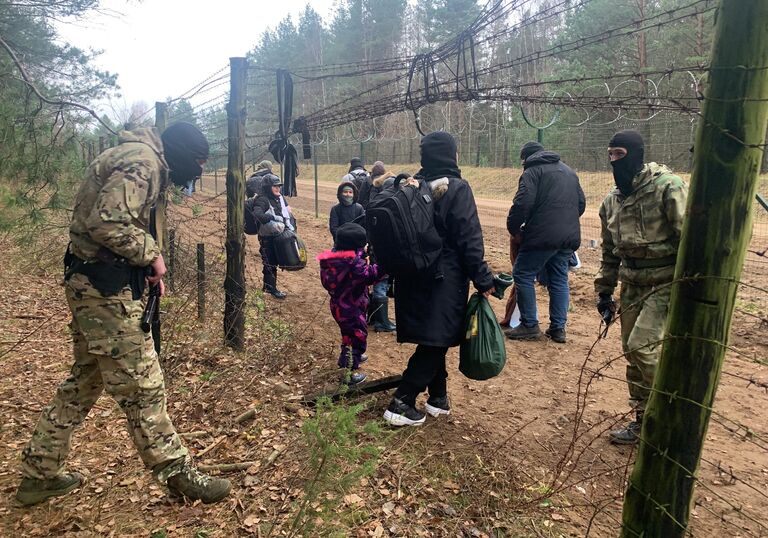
482	354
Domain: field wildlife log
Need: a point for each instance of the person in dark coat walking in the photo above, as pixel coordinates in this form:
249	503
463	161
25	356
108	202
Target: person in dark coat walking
271	206
378	176
347	210
253	184
357	173
430	306
545	215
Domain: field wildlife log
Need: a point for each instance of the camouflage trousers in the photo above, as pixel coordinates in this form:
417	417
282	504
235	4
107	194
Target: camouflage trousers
643	323
110	352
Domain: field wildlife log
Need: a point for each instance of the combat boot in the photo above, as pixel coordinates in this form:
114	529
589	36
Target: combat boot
630	435
193	485
32	491
524	333
382	324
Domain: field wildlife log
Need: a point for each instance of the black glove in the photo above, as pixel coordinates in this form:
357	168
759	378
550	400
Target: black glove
606	306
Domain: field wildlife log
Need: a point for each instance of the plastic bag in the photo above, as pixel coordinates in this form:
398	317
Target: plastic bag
482	354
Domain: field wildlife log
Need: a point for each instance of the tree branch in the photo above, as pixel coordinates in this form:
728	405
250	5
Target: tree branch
44	99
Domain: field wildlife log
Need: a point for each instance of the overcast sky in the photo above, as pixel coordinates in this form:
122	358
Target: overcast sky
162	48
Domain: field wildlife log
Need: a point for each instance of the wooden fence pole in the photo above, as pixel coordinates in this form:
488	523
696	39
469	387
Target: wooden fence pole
171	258
234	283
201	281
713	246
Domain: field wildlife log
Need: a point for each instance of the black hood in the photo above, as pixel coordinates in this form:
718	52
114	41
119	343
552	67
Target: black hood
356	163
541	157
438	156
183	146
347	184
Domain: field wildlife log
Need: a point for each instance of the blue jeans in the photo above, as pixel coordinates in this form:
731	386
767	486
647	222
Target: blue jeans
380	289
527	265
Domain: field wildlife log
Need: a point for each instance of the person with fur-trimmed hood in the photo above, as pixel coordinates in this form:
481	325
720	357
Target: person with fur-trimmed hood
380	178
346	274
347	210
430	307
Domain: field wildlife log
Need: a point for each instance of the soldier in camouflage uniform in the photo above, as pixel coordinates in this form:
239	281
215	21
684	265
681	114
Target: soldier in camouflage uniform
106	266
641	224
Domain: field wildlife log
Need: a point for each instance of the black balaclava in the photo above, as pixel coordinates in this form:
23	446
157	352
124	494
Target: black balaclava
350	236
626	168
184	144
529	148
355	163
438	156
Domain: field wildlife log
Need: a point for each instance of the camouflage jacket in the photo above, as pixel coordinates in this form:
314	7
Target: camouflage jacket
112	207
645	226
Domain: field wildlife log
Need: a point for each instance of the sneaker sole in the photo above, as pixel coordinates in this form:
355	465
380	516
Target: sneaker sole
399	420
31	499
615	441
532	337
436	411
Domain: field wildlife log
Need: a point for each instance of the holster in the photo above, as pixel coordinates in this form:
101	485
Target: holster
108	273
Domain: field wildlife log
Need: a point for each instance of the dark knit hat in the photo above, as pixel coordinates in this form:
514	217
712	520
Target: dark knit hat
529	148
350	236
378	169
355	163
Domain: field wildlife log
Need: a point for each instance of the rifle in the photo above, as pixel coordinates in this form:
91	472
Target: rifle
150	318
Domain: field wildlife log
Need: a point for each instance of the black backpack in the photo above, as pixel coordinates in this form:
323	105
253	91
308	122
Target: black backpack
359	177
251	225
401	229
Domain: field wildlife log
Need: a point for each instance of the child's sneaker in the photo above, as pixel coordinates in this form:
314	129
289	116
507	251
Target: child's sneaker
438	405
353	378
399	413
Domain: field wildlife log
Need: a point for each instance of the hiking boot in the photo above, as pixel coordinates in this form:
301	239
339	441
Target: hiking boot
380	317
400	413
274	292
354	378
438	405
194	485
629	435
524	333
556	335
32	491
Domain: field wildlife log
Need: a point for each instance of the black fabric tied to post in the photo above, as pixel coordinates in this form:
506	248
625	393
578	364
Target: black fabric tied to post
280	148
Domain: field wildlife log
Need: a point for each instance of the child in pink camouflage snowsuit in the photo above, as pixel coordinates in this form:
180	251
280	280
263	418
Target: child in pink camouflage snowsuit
346	275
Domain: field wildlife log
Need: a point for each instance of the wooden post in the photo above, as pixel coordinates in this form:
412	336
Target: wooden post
234	283
317	199
102	144
709	264
201	281
171	258
161	115
216	181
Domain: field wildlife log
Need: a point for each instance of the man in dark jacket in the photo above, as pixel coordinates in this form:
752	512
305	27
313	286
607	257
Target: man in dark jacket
430	306
347	210
271	206
545	213
357	173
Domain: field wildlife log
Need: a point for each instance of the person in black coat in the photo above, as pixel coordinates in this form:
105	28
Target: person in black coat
347	210
271	206
430	307
545	215
253	184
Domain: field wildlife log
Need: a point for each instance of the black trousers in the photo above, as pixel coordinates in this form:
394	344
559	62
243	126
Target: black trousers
269	261
426	370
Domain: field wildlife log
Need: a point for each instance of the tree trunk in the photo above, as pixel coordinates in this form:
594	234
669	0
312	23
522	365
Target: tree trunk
714	242
234	284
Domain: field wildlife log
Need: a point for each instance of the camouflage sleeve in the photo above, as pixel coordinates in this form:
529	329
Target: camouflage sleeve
121	201
608	276
675	199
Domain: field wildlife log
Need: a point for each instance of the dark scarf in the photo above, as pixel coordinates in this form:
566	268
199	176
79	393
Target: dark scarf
625	169
183	145
438	156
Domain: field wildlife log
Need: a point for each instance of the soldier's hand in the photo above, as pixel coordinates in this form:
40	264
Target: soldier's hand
606	306
158	270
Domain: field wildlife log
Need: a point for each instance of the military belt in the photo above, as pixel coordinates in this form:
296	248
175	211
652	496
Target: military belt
108	273
648	263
